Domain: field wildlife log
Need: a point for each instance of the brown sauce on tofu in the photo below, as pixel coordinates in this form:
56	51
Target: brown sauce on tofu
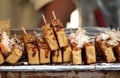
56	53
34	50
45	46
33	47
55	22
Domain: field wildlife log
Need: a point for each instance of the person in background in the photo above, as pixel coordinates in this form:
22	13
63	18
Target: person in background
28	13
62	9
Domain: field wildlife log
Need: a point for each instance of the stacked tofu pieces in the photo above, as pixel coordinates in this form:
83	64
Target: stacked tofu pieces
87	53
49	36
106	42
83	51
55	37
106	51
59	32
62	42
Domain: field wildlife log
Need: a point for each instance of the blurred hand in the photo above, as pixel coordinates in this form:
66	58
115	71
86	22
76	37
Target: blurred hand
62	9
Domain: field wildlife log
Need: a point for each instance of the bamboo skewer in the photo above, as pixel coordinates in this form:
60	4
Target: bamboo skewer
53	13
24	30
43	16
37	35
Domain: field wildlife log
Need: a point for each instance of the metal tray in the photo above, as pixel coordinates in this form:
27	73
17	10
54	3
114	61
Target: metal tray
58	68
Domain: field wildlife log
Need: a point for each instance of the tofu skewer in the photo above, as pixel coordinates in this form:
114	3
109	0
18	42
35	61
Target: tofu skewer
59	31
82	47
31	48
44	50
17	52
67	52
104	49
49	36
76	52
89	53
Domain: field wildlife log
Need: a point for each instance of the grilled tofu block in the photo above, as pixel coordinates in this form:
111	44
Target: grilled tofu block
50	37
89	53
76	56
2	60
15	55
107	51
67	54
117	52
44	55
28	38
31	49
57	56
44	51
32	53
59	32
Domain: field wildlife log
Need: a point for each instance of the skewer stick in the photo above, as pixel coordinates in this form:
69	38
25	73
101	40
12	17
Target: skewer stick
24	30
53	13
36	35
43	16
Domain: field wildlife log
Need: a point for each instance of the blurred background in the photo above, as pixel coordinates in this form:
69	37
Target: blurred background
101	13
92	13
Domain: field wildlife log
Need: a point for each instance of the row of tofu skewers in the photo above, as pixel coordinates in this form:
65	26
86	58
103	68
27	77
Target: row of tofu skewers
53	47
